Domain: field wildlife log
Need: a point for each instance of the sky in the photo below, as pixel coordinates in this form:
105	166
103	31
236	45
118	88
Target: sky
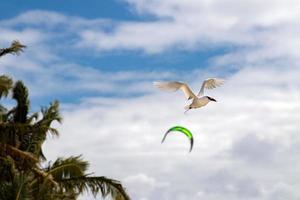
99	59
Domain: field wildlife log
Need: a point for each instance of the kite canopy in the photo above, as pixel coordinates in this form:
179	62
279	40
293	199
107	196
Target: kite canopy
182	130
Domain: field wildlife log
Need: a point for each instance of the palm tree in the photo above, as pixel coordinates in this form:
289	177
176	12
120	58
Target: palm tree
21	157
6	82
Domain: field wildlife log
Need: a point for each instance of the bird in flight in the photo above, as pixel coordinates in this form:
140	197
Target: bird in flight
199	100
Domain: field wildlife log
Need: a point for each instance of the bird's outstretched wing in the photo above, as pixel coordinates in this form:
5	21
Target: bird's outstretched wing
174	86
210	83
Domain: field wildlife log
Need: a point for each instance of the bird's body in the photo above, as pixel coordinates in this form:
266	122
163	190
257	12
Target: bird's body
199	100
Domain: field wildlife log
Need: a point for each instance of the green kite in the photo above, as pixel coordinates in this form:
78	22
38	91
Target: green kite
182	130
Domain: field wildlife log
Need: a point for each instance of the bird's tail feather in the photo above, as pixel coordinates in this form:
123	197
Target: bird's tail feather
187	108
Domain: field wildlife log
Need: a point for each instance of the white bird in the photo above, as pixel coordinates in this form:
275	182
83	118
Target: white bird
199	100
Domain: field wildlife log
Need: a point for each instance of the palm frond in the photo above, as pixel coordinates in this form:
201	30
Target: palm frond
70	174
26	137
46	177
3	114
14	133
15	48
20	94
73	166
96	185
51	113
5	85
33	141
16	189
33	117
7	168
22	158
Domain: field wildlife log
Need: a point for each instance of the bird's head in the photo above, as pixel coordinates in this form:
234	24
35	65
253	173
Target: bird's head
211	99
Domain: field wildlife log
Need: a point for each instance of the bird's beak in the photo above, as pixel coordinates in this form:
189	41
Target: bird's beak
211	99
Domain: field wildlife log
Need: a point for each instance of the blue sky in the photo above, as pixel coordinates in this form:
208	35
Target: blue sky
116	60
103	9
172	59
99	58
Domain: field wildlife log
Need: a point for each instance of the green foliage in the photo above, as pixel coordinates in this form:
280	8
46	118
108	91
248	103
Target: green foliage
67	168
96	185
34	139
70	175
16	189
15	48
21	138
20	94
5	85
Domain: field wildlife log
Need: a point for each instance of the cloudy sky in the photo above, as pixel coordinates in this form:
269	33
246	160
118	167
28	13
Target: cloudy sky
99	59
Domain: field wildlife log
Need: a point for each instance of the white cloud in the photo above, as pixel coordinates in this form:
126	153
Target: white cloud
44	66
246	145
283	191
50	20
196	24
